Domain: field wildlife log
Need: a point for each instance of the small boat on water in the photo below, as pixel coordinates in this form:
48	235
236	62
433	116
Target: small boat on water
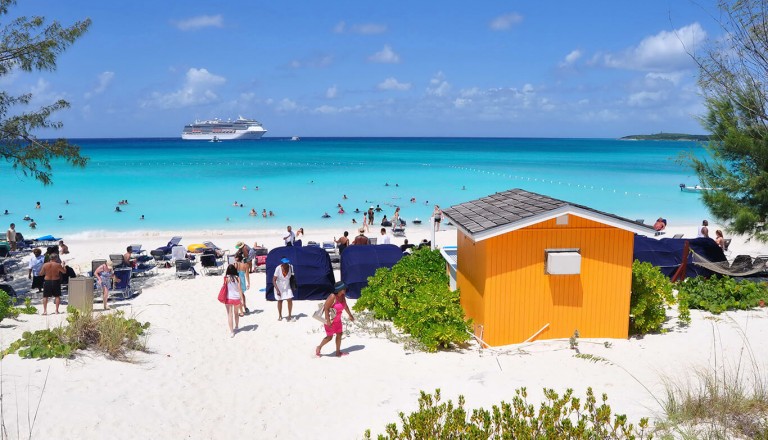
295	138
215	139
694	189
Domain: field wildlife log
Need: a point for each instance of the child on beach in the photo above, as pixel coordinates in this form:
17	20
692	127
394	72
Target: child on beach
233	298
243	271
282	285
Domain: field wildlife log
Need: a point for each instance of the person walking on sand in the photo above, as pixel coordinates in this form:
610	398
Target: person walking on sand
104	276
233	298
290	238
281	282
35	265
342	242
437	216
334	305
243	272
10	236
52	271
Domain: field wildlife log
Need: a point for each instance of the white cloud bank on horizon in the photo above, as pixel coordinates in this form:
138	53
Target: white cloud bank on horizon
392	83
664	52
197	89
360	29
505	22
104	80
385	56
200	22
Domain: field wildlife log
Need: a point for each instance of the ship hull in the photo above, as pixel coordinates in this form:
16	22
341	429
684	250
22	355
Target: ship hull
242	135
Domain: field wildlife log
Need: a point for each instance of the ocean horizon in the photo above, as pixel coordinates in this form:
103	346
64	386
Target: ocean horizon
193	185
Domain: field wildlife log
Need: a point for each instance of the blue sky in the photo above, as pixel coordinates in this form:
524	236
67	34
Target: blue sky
601	68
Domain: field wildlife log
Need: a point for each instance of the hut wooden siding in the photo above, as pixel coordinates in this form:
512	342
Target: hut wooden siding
505	288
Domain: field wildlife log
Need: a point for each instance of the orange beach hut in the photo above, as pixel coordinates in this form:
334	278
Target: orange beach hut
532	267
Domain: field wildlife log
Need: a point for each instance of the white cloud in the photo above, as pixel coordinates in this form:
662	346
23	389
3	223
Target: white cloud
199	22
527	88
361	29
287	105
392	83
438	86
645	98
198	88
316	62
461	102
331	92
104	80
663	52
386	55
571	58
505	22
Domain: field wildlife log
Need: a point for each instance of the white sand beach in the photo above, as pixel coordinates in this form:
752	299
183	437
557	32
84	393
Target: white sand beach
198	383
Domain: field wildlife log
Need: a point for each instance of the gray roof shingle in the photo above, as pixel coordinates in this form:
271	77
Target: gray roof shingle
509	207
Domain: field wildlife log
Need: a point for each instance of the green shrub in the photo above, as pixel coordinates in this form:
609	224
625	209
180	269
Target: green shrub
42	344
651	293
558	417
720	293
6	306
414	294
111	334
28	308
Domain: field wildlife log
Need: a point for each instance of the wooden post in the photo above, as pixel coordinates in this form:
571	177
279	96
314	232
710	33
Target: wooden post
680	274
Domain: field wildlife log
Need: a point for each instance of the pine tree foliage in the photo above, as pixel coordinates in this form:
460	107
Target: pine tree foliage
30	44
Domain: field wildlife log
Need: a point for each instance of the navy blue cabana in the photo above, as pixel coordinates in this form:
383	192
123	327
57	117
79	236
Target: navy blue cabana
667	254
312	267
360	262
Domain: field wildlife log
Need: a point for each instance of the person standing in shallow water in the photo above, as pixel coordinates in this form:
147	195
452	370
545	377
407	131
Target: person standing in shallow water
334	306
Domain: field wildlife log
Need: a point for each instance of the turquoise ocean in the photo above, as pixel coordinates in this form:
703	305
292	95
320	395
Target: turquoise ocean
191	186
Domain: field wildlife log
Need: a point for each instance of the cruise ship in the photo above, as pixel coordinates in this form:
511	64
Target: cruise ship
218	130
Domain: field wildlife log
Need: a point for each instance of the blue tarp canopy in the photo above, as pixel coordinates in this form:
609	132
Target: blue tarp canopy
667	253
312	267
47	238
360	262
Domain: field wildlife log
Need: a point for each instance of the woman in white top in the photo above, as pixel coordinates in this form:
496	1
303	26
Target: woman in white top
282	287
233	298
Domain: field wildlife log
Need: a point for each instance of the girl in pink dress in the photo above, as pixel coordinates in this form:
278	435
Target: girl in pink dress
233	298
338	303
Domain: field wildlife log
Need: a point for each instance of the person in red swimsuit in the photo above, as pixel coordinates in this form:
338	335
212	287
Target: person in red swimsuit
334	305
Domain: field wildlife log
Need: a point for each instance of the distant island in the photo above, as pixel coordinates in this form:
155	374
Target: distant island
666	137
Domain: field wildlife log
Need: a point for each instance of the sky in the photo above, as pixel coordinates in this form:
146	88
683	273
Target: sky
544	68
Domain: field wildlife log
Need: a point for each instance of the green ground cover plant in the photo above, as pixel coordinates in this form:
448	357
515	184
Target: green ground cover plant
414	295
720	293
6	306
651	294
112	334
557	417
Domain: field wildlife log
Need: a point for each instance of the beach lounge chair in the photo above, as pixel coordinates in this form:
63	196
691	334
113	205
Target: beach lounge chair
160	257
178	253
372	240
171	243
95	265
677	236
398	230
184	268
211	265
117	260
122	283
136	249
329	246
260	257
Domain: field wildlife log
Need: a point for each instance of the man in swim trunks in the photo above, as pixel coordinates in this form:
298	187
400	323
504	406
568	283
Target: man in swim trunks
52	271
11	236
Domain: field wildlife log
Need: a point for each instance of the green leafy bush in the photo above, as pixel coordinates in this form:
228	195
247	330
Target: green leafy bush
6	306
720	293
42	344
651	294
558	417
111	334
414	294
28	308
